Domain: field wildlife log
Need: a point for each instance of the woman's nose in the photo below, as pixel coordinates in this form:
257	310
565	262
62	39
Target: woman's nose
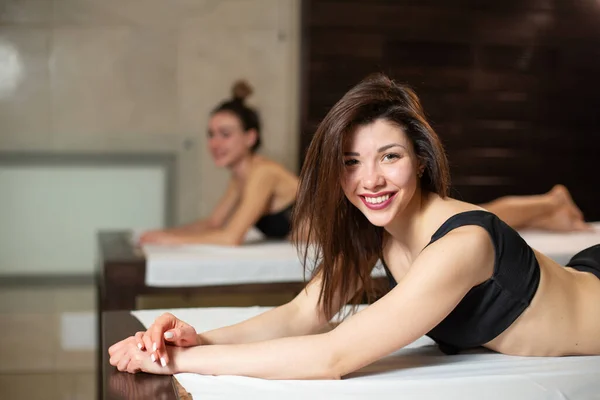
213	142
373	179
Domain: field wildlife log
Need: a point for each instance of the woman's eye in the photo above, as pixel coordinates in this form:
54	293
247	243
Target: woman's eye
391	157
350	162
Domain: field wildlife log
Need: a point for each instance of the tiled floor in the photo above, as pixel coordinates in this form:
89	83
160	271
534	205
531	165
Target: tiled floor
47	345
47	339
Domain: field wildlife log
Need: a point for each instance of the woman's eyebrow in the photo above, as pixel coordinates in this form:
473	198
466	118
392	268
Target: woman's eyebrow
380	150
389	146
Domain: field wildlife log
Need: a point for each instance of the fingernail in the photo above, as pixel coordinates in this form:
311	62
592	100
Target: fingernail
163	362
139	346
169	335
153	357
154	347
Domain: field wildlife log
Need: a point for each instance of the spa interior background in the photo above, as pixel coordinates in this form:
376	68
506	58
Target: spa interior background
103	108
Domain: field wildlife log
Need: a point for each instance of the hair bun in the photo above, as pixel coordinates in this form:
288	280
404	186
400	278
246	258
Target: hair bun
241	89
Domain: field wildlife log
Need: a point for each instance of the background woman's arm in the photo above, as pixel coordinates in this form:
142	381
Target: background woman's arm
215	221
253	203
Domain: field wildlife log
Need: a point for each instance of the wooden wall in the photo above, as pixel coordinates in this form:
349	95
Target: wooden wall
512	87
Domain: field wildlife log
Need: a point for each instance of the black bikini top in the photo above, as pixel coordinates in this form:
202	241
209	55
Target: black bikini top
492	306
277	225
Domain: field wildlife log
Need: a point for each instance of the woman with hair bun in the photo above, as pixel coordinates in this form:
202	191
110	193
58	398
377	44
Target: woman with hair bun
261	192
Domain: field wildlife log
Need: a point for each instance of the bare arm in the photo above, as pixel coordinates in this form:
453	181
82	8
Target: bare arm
215	221
301	316
435	284
255	198
218	216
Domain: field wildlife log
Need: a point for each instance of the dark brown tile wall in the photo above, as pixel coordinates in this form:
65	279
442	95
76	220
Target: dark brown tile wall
512	87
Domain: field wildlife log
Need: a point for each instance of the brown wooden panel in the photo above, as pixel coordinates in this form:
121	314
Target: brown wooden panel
121	277
115	385
518	76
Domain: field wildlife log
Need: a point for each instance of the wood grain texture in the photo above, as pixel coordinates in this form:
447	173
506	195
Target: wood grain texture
115	385
512	87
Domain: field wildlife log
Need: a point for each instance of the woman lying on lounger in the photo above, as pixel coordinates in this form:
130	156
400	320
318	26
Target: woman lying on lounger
374	186
261	192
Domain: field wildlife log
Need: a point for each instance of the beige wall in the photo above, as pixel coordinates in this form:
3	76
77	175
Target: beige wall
140	76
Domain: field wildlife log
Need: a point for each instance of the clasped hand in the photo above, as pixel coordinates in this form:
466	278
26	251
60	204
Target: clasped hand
155	350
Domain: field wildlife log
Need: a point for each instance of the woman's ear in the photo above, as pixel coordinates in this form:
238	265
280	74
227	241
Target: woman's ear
420	168
251	137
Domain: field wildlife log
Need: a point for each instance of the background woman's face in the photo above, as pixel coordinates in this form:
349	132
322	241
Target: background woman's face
227	141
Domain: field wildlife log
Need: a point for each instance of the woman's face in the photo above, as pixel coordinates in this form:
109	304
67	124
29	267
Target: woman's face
380	171
227	141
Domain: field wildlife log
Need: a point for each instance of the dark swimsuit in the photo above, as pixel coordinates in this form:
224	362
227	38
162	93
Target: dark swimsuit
277	225
492	306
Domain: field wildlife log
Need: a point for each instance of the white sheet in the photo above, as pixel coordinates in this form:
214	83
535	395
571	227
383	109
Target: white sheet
257	262
562	246
202	265
419	371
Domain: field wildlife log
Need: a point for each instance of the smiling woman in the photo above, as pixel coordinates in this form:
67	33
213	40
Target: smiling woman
393	162
380	200
261	192
374	186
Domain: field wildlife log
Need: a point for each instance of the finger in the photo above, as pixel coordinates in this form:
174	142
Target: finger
161	356
172	335
151	347
135	359
168	320
139	338
116	357
123	362
164	359
116	347
147	341
189	332
113	361
162	324
133	367
112	349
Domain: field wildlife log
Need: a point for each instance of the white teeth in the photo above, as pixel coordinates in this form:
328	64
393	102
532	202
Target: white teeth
377	200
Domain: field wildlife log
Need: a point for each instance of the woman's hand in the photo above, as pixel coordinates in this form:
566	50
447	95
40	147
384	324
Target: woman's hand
128	357
157	237
166	328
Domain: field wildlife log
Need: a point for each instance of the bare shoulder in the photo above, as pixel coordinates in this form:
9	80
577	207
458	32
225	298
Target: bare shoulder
265	167
470	238
444	208
469	249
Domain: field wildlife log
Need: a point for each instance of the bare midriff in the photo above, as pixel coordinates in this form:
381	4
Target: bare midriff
562	319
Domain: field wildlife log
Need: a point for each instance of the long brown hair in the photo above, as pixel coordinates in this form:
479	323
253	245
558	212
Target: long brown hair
341	243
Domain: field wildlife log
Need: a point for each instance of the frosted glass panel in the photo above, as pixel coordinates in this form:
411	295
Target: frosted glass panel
49	215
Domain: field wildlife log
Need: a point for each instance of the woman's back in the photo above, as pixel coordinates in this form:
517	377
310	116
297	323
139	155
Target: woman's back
275	219
285	183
